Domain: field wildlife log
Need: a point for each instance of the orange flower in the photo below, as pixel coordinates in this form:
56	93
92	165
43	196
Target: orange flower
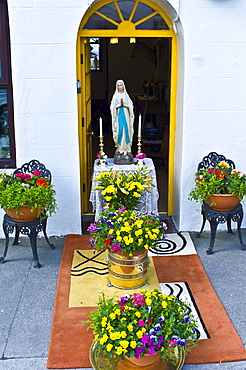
42	182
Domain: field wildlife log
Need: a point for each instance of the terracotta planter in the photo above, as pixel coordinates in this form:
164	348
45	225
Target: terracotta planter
223	202
127	272
145	360
24	214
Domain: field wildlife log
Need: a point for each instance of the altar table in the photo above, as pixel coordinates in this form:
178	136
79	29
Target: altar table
149	201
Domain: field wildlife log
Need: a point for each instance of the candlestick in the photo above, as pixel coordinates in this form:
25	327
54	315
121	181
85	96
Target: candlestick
139	125
139	144
100	127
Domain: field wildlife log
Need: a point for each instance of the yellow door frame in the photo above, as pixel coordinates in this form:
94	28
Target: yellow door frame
126	28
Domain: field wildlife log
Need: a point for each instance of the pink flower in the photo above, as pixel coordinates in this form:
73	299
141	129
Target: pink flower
36	173
171	343
141	155
141	322
27	176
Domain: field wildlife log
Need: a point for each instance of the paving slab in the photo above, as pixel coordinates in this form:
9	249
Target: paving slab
27	297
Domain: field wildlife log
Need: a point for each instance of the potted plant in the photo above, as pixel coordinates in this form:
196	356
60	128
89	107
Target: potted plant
21	191
219	182
127	236
121	189
140	158
142	326
102	159
126	231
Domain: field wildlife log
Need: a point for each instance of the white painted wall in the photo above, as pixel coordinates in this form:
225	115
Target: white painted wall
43	46
211	96
214	110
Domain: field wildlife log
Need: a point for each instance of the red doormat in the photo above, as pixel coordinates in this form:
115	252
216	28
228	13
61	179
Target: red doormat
70	341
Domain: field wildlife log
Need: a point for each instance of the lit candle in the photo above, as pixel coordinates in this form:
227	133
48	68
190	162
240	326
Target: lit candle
139	126
100	127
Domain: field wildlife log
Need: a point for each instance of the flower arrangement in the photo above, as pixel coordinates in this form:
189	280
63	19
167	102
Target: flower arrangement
27	189
221	179
121	189
126	231
101	155
141	155
143	322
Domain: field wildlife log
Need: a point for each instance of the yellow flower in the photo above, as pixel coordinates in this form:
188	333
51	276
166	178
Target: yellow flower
119	238
133	344
139	334
136	195
146	246
111	189
138	232
117	311
119	350
112	316
124	343
148	301
138	314
103	339
109	347
130	327
164	304
104	321
108	198
115	335
223	164
156	231
123	334
171	297
140	186
109	328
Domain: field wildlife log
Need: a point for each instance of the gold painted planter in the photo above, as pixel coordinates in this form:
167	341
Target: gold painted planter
99	361
127	272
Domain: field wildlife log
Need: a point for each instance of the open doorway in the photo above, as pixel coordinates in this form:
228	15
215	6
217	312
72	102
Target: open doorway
145	68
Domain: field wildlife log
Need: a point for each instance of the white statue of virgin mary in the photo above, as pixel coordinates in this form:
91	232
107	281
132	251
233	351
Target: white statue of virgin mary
121	108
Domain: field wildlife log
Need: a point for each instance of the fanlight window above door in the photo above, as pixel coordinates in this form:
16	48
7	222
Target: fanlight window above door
110	16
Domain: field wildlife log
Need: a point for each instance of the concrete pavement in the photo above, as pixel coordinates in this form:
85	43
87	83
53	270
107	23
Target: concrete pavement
27	295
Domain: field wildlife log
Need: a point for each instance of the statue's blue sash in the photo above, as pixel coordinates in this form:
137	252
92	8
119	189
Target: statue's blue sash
123	127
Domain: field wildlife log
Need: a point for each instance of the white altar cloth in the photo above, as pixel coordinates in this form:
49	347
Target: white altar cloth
149	201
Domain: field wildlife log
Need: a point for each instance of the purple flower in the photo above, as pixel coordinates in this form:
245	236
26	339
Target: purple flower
151	350
92	228
122	209
145	339
160	341
110	223
181	342
98	229
186	319
161	319
158	327
152	332
153	339
116	247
